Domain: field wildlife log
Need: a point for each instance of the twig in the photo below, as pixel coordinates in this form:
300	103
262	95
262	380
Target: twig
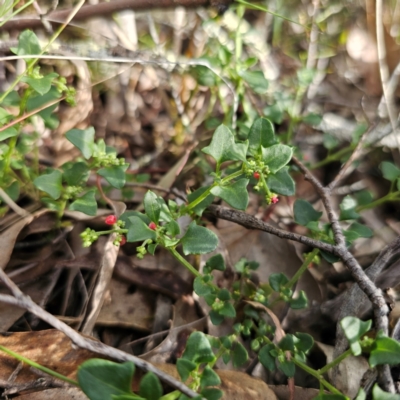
21	300
374	294
248	221
15	207
344	170
324	194
106	8
384	69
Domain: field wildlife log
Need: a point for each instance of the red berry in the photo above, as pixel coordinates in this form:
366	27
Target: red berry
110	220
256	175
152	226
122	241
274	199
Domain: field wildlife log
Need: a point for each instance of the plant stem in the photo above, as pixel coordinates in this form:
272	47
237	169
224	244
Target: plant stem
302	269
316	374
389	197
333	157
184	262
335	362
204	195
38	366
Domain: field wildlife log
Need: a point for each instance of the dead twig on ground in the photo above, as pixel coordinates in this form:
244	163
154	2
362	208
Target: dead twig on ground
21	300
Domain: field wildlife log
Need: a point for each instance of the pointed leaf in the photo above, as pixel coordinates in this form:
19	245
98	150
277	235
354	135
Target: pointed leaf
390	171
50	183
185	367
265	357
139	231
28	43
100	379
86	204
83	139
235	195
150	387
199	240
385	351
114	175
152	206
261	135
223	147
209	378
281	182
198	349
304	212
276	156
239	355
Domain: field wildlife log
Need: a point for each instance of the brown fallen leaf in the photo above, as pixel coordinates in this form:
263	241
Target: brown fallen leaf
70	393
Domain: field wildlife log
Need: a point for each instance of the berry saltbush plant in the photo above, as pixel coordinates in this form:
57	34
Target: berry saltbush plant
248	158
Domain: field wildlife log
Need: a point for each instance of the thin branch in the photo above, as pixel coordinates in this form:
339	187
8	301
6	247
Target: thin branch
21	300
250	222
106	8
384	69
344	170
325	197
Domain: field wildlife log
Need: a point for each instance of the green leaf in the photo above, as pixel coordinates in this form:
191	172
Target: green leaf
198	349
185	367
100	379
223	147
150	387
261	135
287	367
265	357
379	394
172	228
224	294
384	351
216	318
198	210
389	171
357	230
239	355
287	343
139	231
227	310
256	80
277	280
200	287
361	395
216	263
205	76
281	182
4	116
86	204
28	43
198	240
209	378
347	209
152	206
211	393
127	214
50	183
235	194
75	173
41	85
114	175
299	302
276	156
303	341
330	141
7	133
83	139
304	212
